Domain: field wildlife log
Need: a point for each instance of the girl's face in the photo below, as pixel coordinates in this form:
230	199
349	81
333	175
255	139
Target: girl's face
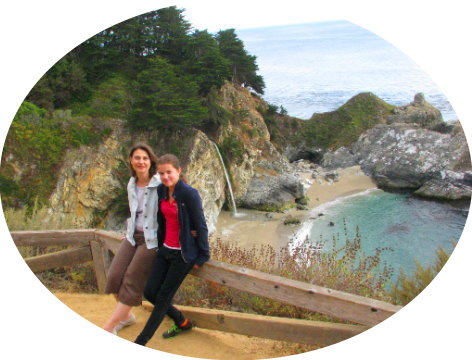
169	174
140	162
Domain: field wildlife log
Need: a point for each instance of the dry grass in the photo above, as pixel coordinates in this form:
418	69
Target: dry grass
77	278
346	270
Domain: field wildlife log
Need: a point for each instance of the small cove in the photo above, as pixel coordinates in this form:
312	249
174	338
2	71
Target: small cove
413	228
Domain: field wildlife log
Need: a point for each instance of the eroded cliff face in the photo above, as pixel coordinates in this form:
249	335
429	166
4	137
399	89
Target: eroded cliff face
88	180
404	155
261	174
92	179
204	172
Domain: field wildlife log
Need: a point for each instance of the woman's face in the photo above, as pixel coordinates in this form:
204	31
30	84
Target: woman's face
140	162
169	174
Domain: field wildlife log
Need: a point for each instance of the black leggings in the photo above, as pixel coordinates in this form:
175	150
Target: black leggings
167	273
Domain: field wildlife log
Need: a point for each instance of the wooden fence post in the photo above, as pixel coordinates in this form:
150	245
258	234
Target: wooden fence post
101	262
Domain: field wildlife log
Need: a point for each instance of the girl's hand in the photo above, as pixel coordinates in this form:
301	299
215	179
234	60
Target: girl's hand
194	233
196	267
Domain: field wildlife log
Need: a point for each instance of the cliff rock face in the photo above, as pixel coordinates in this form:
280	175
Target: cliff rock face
261	166
408	156
418	112
88	182
204	172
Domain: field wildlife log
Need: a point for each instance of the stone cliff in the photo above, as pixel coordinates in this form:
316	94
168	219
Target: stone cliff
409	152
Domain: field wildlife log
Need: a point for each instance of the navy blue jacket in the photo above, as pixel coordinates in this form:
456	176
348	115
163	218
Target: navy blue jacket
191	217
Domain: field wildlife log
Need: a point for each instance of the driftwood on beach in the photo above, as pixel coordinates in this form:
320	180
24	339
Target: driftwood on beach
98	246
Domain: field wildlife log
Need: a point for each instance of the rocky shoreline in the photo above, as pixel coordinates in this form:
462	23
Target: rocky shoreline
257	228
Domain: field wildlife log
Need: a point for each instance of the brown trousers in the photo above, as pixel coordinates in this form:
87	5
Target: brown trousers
130	270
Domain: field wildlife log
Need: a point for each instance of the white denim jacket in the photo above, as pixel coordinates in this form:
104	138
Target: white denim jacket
149	213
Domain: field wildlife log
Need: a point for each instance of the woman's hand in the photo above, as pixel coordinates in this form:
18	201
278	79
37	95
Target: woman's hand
196	267
194	233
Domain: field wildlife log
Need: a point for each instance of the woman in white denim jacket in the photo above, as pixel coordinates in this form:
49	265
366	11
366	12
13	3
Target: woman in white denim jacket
132	263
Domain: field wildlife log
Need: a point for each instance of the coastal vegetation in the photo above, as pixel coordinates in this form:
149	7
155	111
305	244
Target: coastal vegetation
154	71
329	130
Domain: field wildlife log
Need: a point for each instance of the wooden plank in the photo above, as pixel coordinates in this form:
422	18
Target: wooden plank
59	259
101	263
315	298
284	329
53	237
111	240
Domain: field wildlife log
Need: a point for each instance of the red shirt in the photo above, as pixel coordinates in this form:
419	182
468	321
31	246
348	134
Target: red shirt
169	210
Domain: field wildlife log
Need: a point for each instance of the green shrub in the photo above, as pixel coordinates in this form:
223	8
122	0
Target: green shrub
232	149
408	287
34	148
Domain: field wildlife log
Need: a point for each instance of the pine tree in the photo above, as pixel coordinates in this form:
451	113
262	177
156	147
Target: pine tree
205	62
164	100
243	65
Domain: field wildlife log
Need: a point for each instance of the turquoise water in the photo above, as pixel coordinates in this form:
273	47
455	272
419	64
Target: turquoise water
412	227
317	67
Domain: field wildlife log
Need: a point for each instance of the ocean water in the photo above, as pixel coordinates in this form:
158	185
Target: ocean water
413	228
317	67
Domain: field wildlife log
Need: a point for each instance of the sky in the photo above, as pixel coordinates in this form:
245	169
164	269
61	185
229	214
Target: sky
35	34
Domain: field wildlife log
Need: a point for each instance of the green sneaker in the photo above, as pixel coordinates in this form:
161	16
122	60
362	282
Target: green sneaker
176	330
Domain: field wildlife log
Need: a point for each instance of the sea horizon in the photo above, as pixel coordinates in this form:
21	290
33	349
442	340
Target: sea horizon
317	67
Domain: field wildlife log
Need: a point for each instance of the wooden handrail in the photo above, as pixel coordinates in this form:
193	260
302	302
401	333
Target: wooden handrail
315	298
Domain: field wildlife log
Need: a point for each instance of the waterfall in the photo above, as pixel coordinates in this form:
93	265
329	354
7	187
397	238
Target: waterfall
235	211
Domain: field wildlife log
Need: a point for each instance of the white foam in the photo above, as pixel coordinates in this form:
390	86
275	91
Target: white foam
304	230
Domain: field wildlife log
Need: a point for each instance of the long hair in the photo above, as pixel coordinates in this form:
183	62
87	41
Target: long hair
172	160
152	158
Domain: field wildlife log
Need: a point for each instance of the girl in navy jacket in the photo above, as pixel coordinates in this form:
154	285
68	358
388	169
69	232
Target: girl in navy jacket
180	211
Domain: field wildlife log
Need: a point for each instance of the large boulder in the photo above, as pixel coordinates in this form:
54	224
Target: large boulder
273	192
449	186
340	158
418	112
404	156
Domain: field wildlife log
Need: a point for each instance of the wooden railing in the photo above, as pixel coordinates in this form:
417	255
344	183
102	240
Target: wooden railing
99	246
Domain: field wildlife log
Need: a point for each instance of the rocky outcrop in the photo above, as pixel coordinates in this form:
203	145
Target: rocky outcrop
92	180
273	193
418	112
413	149
260	175
88	182
204	172
408	156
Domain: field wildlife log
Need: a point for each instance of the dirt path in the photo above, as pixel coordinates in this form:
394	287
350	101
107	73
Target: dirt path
200	343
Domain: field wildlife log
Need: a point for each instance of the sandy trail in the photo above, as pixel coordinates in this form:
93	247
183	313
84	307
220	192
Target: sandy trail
199	343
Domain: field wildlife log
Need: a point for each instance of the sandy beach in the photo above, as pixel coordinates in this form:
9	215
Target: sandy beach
255	228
